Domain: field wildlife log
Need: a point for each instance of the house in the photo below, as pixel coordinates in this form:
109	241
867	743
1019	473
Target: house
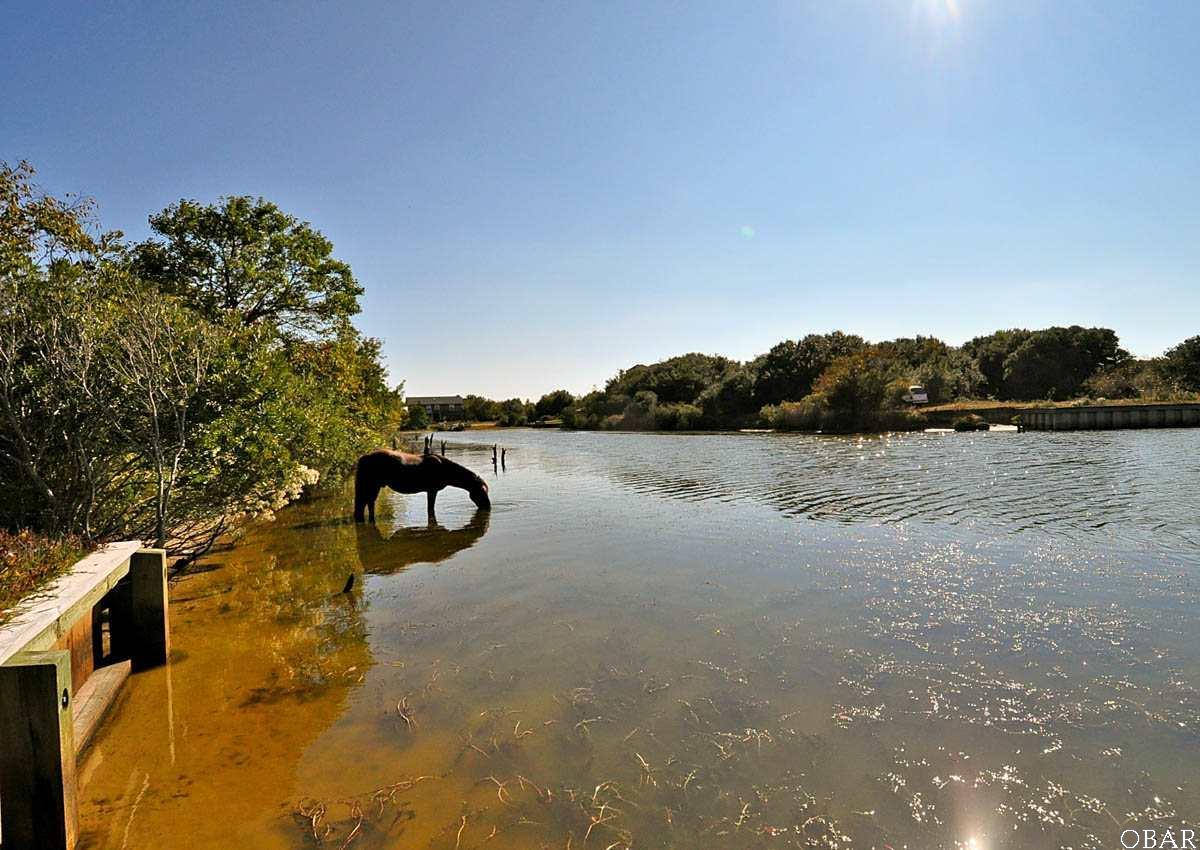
439	407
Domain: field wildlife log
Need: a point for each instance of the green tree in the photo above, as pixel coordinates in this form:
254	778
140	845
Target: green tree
514	411
639	412
677	379
1054	363
131	408
990	353
246	257
553	403
479	409
57	461
1181	365
855	387
418	419
729	400
787	372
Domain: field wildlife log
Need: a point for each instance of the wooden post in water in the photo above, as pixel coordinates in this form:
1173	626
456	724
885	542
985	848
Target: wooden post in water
443	448
503	452
150	622
138	611
494	447
37	752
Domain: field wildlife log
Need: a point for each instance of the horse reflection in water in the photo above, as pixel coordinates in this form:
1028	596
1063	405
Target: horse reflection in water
383	551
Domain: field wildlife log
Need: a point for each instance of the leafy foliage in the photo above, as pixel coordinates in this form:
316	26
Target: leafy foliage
840	382
248	258
553	403
135	402
789	370
1054	363
990	354
1181	365
677	379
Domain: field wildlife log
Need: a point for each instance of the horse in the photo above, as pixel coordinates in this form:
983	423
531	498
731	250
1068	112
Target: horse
409	473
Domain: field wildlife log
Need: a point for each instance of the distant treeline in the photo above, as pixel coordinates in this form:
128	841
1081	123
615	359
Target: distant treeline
165	390
842	382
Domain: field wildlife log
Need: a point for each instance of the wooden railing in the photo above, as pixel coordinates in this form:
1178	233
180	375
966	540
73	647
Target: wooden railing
63	658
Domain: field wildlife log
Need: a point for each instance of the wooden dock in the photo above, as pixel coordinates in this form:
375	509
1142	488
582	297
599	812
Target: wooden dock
1110	416
63	659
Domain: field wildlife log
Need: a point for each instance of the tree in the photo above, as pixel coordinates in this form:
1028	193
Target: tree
480	409
55	466
677	379
855	387
639	412
513	411
161	357
1132	379
990	353
418	418
1181	365
1054	363
128	408
553	403
787	372
728	400
247	258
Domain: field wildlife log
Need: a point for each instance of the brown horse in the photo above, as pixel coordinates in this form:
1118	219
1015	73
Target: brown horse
407	473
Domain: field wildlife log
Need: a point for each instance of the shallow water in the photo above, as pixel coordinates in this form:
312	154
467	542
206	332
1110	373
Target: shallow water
742	641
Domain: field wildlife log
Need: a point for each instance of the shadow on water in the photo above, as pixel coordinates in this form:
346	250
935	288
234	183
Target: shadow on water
384	550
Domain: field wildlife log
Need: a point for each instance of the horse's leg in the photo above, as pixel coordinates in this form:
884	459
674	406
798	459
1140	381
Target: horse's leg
432	498
364	499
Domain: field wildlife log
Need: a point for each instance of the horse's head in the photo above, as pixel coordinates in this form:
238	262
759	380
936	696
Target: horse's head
478	491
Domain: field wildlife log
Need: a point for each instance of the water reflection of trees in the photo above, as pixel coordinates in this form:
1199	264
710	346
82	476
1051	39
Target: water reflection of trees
384	549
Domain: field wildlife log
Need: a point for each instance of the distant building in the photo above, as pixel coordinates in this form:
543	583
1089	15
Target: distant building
439	407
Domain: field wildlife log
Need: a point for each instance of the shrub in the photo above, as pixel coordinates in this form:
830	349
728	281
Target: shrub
855	388
29	561
639	412
553	404
677	417
807	414
1181	365
970	422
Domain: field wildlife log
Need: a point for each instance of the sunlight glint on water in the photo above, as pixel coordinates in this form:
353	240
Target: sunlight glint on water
691	641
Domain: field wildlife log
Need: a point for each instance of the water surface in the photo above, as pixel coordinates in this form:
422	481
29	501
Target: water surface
742	641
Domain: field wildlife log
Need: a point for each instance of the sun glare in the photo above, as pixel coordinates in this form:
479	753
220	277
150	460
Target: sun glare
937	11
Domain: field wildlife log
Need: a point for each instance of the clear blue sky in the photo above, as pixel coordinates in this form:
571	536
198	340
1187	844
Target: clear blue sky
537	194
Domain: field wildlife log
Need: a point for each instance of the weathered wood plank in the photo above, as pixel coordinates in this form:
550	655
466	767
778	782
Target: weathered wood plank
94	698
39	810
78	641
49	616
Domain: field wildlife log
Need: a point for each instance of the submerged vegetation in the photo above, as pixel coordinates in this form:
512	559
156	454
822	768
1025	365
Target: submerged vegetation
166	390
